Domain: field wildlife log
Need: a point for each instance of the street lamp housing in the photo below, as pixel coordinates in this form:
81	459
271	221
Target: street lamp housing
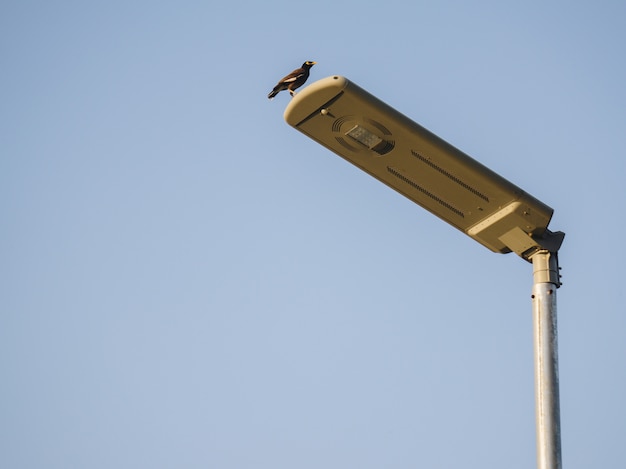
405	156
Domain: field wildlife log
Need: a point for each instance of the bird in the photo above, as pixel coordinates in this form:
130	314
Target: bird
292	81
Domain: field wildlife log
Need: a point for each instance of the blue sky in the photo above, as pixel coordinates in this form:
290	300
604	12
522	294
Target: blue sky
186	281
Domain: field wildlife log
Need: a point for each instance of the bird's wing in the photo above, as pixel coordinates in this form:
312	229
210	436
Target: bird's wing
293	76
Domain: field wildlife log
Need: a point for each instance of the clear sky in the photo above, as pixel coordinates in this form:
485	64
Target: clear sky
187	281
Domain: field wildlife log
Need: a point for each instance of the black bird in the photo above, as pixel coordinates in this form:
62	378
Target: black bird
294	80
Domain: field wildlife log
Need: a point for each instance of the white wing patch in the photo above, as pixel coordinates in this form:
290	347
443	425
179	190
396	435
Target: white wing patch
289	80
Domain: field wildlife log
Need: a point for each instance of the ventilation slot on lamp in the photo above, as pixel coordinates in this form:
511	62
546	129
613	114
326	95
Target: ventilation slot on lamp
464	185
416	186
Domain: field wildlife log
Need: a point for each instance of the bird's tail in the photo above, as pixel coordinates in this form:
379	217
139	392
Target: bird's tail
272	94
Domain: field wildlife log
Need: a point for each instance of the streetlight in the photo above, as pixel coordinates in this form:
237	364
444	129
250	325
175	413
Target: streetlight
370	134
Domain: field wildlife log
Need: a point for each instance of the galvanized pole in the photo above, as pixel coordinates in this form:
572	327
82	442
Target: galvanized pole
546	281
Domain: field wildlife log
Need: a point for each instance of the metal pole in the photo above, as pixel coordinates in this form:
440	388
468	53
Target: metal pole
546	281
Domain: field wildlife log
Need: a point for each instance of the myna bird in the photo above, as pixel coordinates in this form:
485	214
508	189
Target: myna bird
292	81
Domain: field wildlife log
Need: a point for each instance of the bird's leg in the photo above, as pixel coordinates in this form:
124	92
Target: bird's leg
292	93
